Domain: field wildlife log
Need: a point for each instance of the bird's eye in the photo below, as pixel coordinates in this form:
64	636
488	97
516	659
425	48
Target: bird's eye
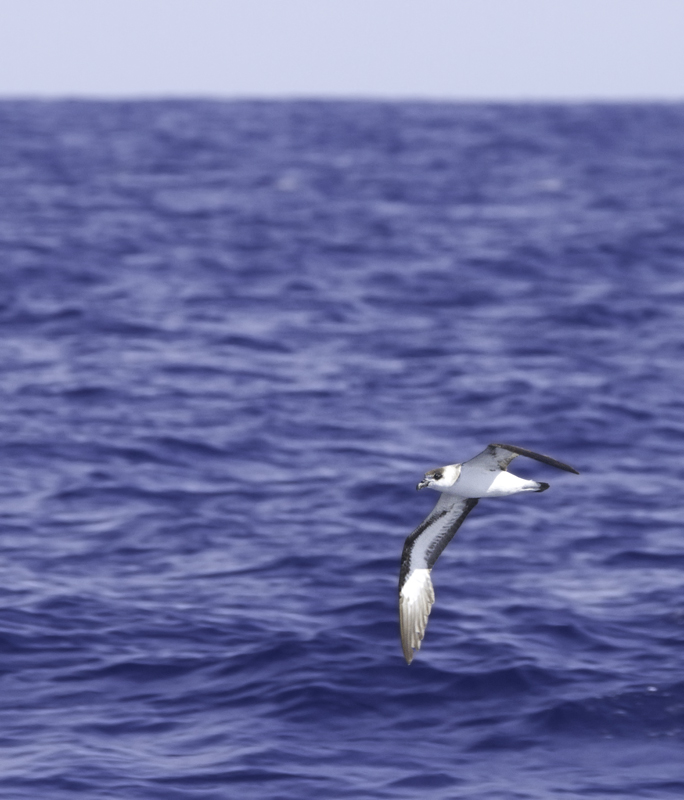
437	476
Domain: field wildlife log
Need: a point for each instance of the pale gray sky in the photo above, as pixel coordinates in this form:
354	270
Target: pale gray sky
460	49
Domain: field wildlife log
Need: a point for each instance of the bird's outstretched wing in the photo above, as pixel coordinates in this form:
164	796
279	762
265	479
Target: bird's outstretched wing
421	550
499	456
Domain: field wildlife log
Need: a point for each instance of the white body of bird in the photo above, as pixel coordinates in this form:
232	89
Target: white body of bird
476	482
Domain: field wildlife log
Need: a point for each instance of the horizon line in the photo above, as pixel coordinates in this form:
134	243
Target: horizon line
341	98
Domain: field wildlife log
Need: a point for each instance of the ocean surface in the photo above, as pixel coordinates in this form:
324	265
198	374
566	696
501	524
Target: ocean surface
233	338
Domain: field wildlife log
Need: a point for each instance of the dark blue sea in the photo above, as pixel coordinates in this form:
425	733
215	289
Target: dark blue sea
233	338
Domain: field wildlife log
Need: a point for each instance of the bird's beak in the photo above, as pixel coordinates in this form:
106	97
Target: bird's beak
425	482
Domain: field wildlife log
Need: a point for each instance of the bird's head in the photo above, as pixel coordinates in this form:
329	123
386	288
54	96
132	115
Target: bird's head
441	478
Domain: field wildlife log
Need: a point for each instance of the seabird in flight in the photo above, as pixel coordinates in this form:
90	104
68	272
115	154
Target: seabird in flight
461	486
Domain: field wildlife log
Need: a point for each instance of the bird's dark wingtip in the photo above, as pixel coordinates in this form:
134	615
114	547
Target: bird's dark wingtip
523	451
543	487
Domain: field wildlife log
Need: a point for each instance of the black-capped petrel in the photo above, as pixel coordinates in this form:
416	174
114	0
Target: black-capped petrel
461	486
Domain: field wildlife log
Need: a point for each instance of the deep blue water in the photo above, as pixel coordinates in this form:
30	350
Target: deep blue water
234	336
